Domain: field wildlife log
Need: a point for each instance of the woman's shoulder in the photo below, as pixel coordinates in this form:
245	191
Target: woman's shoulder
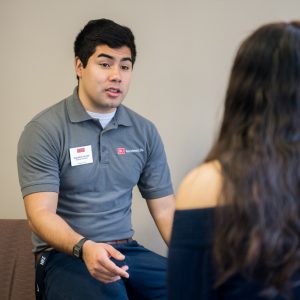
201	187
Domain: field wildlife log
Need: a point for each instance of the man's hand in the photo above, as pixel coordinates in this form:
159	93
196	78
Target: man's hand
97	257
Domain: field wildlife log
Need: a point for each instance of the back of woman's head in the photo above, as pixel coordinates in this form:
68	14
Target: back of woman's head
259	150
262	98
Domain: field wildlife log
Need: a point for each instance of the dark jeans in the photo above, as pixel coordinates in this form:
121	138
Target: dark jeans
68	278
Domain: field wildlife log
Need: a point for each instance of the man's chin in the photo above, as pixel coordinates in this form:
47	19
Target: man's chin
114	104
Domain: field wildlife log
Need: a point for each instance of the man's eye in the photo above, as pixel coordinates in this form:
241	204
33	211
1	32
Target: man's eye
104	65
125	68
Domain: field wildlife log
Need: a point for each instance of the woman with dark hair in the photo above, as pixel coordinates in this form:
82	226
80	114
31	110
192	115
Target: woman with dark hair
236	232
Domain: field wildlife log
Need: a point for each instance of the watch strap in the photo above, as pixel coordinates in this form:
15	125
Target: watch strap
77	249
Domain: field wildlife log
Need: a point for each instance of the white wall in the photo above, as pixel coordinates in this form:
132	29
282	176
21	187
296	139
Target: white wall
185	50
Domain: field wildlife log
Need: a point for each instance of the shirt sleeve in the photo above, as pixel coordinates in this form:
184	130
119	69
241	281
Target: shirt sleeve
155	179
37	160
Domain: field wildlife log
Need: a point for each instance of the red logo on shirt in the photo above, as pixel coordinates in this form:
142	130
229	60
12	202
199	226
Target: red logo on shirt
80	150
121	151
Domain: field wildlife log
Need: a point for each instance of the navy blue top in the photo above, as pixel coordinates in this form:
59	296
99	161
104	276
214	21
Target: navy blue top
191	274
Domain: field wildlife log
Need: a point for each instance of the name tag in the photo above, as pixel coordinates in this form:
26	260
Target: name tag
81	155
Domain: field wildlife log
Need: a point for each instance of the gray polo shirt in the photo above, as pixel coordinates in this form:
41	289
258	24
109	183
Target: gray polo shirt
93	170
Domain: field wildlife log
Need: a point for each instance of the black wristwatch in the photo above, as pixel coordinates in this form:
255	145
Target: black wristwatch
77	249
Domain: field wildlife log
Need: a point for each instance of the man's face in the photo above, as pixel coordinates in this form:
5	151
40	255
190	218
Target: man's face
104	82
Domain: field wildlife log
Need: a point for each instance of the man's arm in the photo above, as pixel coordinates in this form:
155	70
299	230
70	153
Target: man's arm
50	227
43	220
162	210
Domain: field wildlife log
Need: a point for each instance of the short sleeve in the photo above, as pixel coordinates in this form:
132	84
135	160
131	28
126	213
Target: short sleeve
155	179
37	160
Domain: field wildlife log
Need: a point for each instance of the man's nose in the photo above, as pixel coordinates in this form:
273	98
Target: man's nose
115	74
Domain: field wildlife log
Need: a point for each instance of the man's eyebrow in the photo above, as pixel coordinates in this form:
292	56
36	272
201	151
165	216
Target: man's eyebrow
105	55
111	57
126	58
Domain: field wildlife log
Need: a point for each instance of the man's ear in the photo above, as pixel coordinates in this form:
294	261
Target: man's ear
78	67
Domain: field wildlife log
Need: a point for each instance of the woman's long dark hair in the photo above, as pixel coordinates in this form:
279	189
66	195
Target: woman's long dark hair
258	220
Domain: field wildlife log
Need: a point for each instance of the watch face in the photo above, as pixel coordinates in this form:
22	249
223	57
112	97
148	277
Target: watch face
77	249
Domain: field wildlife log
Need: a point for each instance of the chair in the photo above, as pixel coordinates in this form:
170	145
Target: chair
17	273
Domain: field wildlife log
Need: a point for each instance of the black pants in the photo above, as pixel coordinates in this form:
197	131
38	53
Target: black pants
68	278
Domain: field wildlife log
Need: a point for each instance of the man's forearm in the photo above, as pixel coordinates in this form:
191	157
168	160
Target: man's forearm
53	230
50	227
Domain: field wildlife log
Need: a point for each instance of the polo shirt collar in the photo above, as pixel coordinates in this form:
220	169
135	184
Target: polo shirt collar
122	116
77	112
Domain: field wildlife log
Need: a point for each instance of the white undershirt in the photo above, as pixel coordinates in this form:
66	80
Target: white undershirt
104	119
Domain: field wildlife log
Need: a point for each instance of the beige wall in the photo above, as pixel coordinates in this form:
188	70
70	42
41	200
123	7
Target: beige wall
185	50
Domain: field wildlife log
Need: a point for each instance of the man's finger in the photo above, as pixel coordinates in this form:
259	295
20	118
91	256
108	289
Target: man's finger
114	269
113	252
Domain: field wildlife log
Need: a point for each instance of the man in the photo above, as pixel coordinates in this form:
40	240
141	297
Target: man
78	162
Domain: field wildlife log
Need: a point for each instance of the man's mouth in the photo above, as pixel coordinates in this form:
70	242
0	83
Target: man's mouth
113	92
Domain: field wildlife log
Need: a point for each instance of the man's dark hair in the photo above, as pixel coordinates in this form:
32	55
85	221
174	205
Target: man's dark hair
102	32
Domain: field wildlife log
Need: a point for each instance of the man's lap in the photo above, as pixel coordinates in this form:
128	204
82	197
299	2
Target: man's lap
68	278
